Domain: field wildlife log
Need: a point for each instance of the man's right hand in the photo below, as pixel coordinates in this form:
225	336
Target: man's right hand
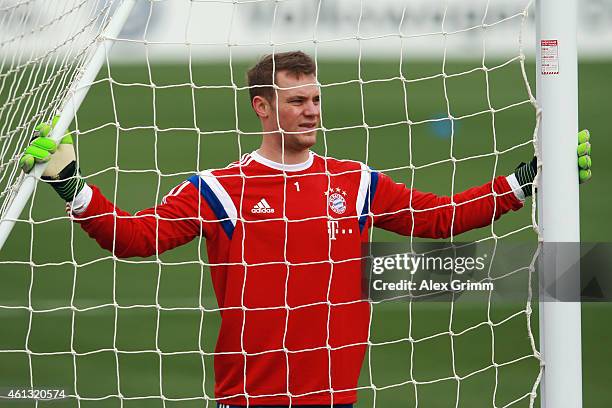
61	172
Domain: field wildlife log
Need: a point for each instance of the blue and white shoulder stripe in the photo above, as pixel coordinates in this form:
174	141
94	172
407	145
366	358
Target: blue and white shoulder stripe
217	198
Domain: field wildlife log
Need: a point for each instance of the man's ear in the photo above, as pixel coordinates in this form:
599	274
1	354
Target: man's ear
261	106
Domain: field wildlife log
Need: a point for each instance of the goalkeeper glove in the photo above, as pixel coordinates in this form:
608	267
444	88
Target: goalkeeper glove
62	172
525	173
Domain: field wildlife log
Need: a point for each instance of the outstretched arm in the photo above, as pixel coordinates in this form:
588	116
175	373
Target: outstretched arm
176	221
411	212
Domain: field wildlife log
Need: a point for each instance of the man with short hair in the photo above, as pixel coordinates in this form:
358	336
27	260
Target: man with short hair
284	228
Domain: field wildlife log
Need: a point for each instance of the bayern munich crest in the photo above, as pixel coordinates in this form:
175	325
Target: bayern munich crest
336	200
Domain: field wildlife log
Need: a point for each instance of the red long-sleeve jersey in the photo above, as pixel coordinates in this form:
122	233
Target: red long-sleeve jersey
285	244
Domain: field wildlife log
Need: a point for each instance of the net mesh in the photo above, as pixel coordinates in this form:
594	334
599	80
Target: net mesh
439	109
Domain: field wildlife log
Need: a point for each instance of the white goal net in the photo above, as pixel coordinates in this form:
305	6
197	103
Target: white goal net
435	94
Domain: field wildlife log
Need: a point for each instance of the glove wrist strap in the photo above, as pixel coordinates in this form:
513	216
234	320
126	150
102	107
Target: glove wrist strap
68	183
525	174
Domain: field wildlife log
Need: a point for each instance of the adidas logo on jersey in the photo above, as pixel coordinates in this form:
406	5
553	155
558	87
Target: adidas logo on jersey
262	207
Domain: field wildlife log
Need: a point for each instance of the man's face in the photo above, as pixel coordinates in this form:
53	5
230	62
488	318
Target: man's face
296	110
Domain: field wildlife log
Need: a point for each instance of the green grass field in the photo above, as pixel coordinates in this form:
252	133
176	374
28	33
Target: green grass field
159	147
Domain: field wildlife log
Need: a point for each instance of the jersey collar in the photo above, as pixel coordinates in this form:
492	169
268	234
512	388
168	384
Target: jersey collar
283	167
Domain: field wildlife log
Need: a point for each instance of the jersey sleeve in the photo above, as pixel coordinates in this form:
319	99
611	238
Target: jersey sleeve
177	220
411	212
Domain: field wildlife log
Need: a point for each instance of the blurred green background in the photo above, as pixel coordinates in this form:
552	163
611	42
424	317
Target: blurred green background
136	142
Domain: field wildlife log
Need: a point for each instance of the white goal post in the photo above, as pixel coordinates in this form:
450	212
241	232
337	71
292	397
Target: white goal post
76	95
560	380
558	201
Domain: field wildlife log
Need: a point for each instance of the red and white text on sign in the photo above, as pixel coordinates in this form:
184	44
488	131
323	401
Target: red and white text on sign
549	57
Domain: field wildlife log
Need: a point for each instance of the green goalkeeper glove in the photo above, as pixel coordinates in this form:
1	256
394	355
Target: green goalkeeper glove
525	173
62	172
584	156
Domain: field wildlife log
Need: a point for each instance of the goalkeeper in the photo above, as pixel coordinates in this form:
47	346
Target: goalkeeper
283	229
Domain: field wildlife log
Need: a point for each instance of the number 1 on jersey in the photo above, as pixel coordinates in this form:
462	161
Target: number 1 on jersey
297	185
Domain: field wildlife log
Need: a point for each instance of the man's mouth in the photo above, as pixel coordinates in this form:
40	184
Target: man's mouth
308	126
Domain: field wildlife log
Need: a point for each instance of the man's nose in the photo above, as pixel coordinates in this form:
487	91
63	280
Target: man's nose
311	109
